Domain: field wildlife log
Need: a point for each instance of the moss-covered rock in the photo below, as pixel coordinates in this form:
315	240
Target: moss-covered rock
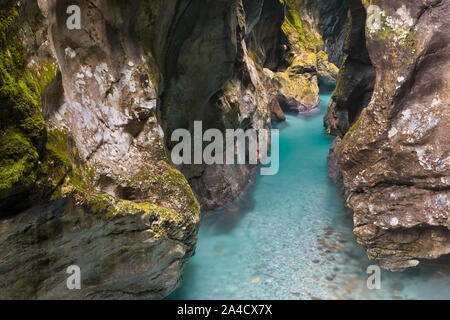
327	72
18	161
58	183
296	92
309	67
300	32
22	127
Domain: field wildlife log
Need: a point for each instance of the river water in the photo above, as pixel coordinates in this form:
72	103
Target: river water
290	238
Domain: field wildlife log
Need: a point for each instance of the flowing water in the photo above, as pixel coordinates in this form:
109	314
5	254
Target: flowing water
290	238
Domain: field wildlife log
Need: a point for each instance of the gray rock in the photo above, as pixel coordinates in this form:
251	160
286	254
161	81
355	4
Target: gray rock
394	160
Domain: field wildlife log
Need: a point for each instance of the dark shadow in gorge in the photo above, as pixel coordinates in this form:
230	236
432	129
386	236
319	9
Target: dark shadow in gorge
356	80
224	220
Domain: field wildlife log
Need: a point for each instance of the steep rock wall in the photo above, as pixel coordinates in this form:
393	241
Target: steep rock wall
356	78
395	159
102	194
86	121
330	18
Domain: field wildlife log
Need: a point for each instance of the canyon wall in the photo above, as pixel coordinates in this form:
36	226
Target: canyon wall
391	111
305	67
85	176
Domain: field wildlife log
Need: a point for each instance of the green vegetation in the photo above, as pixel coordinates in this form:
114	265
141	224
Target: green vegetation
36	164
298	30
17	160
343	84
22	127
348	135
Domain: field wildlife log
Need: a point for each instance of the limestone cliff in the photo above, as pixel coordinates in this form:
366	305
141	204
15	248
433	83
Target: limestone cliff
392	105
89	184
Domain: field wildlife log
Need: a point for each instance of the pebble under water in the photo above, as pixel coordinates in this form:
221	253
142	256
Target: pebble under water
290	238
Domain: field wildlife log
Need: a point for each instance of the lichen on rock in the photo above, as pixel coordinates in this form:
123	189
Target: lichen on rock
393	155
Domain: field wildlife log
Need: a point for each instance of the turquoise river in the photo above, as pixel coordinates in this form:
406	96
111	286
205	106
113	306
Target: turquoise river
290	238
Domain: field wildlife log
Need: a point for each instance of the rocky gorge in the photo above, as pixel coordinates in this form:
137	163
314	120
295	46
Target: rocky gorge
87	114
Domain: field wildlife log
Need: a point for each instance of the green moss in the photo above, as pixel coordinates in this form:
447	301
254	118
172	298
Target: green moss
22	127
57	146
349	133
101	203
304	60
163	219
366	3
167	183
251	54
296	85
409	42
299	31
55	167
344	83
18	160
164	184
321	55
385	33
46	75
19	87
176	178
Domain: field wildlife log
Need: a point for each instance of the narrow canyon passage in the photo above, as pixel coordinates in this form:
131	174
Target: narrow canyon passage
291	238
94	119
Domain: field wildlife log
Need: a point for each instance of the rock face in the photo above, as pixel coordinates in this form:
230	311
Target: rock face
276	113
87	115
257	52
329	18
395	158
225	92
356	79
296	92
308	66
120	257
91	184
